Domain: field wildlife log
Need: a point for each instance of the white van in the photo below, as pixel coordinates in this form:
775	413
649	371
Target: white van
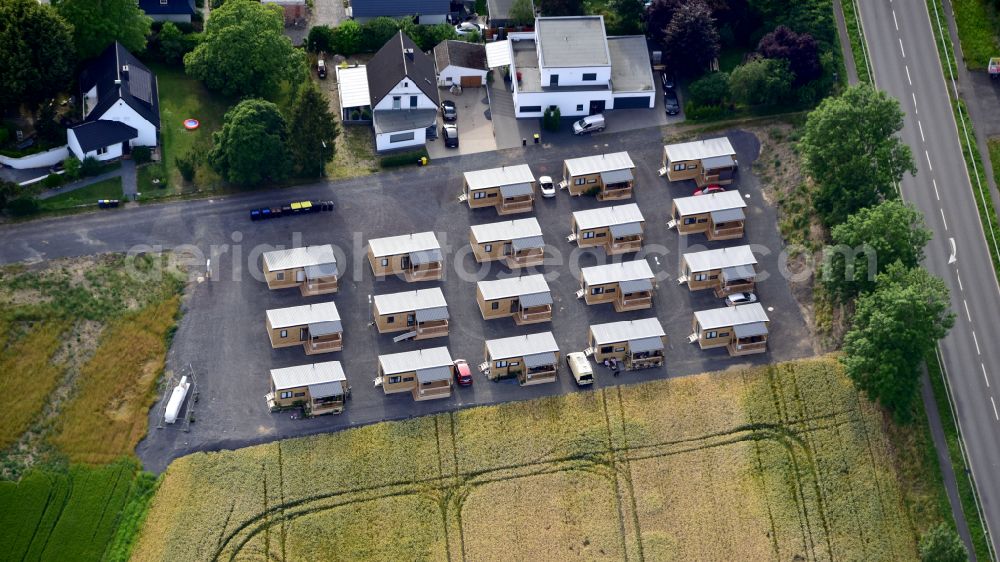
589	124
579	365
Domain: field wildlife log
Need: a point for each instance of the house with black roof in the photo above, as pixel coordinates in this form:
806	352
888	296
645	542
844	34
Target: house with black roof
168	10
120	107
460	62
403	94
427	12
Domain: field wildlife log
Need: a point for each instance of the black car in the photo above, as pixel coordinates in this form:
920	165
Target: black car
671	103
450	135
449	111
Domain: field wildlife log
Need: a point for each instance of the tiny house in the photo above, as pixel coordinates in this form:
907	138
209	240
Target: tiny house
742	329
313	269
510	189
426	373
316	327
417	257
719	216
527	299
532	358
726	270
609	176
638	344
419	314
518	243
617	229
709	161
320	388
628	285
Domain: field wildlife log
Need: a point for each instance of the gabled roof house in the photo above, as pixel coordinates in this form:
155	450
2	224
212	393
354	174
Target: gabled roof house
426	12
168	10
402	91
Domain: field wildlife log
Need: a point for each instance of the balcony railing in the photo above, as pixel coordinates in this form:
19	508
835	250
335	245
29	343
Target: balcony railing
441	390
522	259
747	348
538	314
636	301
326	344
630	244
728	231
422	273
326	407
314	287
617	191
432	329
516	205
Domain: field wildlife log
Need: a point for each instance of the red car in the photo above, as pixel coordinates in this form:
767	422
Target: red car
710	189
463	374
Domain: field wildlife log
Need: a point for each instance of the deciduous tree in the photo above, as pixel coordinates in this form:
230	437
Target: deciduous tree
98	23
252	145
711	89
37	54
851	151
244	51
760	82
173	44
521	13
691	41
895	326
561	7
799	49
942	544
628	16
314	130
871	240
658	17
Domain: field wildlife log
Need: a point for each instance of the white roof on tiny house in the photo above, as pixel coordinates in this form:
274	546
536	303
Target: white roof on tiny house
418	360
710	203
699	149
306	375
721	258
731	316
322	314
410	300
514	287
599	163
300	257
404	244
520	346
506	230
495	177
617	272
607	216
627	330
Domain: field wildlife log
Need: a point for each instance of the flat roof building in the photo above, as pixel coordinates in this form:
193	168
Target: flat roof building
628	285
316	327
313	269
618	229
527	299
709	161
319	388
726	270
518	243
742	329
416	256
419	314
426	373
609	176
510	189
638	344
719	216
532	358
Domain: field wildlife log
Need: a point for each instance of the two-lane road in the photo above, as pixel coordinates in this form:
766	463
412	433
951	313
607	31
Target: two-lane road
906	65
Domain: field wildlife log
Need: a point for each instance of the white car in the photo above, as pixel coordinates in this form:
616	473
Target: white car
468	27
546	186
737	299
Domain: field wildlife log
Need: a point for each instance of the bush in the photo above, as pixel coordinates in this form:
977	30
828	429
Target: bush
72	167
761	82
23	206
320	39
187	165
550	119
90	167
712	89
402	158
52	181
142	154
696	112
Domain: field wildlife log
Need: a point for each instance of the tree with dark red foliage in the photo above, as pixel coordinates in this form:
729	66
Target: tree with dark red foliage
799	49
691	41
658	17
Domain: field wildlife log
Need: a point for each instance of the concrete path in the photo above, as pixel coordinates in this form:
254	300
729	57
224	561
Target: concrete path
84	183
129	179
845	42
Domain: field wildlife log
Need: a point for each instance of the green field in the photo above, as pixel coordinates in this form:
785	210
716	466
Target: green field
785	462
105	189
978	26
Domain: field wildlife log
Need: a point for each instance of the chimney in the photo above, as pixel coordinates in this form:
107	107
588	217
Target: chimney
408	53
124	73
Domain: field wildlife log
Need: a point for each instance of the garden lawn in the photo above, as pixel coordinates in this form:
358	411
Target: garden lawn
110	188
978	24
780	462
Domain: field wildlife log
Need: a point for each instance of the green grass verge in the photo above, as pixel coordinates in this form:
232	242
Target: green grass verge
977	23
858	49
966	491
131	518
994	145
106	189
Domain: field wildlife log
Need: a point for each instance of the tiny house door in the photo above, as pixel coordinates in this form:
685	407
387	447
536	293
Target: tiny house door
300	276
405	262
514	305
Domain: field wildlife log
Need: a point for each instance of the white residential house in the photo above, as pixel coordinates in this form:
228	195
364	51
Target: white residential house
461	63
403	93
120	107
571	63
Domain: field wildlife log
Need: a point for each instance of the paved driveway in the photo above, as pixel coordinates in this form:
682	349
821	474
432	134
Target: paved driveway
222	332
475	130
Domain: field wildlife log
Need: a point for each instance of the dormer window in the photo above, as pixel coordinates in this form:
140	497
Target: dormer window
406	84
164	2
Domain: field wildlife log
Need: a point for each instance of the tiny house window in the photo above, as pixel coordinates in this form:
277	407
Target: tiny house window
690	220
280	276
597	290
395	380
501	364
487	247
606	349
700	277
408	379
286	394
711	335
579	181
679	167
479	195
284	333
299	394
390	319
495	305
385	262
588	234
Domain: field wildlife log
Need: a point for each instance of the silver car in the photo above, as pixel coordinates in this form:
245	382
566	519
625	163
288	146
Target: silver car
737	299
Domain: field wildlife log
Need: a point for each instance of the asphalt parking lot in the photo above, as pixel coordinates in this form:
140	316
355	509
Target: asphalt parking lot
222	334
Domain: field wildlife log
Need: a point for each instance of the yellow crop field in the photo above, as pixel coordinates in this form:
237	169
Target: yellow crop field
783	462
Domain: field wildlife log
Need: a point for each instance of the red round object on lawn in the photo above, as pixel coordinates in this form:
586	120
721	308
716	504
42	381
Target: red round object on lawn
191	124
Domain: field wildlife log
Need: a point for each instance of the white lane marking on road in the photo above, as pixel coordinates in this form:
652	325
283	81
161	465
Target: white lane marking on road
916	110
967	313
936	194
975	340
985	378
959	277
896	23
908	74
944	220
995	415
921	125
929	165
953	257
901	47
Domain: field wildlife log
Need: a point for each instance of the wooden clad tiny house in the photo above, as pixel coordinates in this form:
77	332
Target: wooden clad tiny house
742	329
609	176
719	216
526	299
316	327
417	257
510	189
313	269
618	229
320	388
518	243
420	314
726	270
627	285
426	373
532	358
637	344
709	161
